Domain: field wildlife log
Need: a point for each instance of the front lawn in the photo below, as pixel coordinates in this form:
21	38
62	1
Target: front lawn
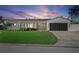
27	37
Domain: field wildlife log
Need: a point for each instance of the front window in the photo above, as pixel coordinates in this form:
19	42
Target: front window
30	25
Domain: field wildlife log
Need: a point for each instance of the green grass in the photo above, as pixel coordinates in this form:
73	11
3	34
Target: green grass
27	37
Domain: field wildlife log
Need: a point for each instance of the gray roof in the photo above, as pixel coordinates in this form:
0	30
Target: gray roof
30	20
59	20
39	19
61	17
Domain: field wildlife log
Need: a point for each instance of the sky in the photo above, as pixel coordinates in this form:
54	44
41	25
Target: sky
34	11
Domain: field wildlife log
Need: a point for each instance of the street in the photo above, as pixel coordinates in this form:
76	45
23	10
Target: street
18	48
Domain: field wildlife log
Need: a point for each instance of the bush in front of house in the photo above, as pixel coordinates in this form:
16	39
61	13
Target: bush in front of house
1	27
28	29
31	29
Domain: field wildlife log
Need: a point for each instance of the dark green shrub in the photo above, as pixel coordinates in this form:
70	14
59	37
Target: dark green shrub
1	27
28	29
33	29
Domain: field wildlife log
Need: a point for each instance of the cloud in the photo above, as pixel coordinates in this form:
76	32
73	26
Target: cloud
18	13
41	12
43	8
54	13
59	6
16	17
45	12
36	16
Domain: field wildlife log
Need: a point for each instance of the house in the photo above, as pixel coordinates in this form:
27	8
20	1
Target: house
56	24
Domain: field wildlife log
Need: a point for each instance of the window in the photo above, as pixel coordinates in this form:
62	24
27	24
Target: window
30	25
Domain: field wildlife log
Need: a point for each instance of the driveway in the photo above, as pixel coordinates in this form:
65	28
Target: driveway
67	38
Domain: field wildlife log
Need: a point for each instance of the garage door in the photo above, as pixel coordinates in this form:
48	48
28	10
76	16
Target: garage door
58	26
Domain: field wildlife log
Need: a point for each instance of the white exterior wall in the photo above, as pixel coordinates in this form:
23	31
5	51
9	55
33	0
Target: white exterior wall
21	24
15	27
74	27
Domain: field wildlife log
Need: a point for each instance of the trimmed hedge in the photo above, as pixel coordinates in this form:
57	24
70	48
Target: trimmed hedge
28	29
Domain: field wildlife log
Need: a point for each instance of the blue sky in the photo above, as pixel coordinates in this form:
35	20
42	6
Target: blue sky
34	11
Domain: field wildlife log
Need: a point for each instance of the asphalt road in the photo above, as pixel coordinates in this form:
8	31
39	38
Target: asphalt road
14	48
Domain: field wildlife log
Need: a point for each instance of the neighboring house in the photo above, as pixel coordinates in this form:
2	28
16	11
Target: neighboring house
56	24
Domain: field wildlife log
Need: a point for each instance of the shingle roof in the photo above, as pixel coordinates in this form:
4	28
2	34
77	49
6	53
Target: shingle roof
30	19
61	17
38	19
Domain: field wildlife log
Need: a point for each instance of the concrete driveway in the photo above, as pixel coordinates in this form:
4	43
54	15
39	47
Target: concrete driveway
67	38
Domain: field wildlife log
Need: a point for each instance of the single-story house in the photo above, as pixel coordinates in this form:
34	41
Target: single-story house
55	24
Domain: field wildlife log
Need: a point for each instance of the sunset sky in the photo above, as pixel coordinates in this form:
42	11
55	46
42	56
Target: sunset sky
33	11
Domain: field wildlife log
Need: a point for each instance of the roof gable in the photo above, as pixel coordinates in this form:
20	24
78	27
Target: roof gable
59	20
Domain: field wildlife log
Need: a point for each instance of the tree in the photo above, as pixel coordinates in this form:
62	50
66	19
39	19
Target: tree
74	13
1	19
9	24
3	23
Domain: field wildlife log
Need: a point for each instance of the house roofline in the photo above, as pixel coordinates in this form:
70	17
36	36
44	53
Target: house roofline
39	19
60	17
30	20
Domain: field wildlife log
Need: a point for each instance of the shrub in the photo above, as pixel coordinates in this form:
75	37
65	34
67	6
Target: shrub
33	29
1	27
28	29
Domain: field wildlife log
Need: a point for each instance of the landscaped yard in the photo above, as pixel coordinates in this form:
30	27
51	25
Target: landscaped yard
27	37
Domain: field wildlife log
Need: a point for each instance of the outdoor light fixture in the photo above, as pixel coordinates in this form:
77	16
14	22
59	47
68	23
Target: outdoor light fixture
14	24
